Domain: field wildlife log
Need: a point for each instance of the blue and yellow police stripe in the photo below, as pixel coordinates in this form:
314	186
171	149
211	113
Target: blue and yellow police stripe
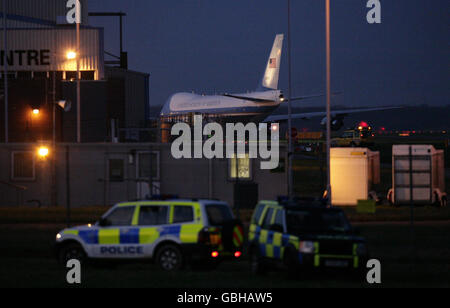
185	233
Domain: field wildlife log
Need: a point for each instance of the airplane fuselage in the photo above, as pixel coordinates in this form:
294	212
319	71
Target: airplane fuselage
222	107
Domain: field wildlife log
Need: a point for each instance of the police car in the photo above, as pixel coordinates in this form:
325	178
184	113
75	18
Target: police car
170	232
303	235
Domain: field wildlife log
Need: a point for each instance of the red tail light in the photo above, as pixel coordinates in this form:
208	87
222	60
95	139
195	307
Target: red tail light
215	254
237	254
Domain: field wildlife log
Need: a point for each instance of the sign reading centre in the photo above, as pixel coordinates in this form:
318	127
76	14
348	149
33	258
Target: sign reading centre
26	57
46	50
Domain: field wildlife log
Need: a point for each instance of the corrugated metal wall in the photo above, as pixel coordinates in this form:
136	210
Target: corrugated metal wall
136	95
55	43
38	13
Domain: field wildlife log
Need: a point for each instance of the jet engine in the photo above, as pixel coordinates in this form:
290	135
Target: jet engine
337	122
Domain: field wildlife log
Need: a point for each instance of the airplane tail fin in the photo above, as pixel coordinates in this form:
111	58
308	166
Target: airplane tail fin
272	73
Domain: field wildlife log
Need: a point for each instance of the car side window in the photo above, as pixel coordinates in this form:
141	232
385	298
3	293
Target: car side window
267	219
121	216
279	218
153	215
257	216
182	214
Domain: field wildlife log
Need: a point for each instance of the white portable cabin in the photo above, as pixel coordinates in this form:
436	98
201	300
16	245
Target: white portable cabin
425	166
353	172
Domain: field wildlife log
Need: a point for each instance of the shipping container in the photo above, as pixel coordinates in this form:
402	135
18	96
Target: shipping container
354	171
424	166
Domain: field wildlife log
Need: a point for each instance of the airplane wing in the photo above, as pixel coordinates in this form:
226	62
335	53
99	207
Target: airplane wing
309	115
251	99
302	98
261	100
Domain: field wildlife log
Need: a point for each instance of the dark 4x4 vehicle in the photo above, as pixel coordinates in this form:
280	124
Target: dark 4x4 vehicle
303	236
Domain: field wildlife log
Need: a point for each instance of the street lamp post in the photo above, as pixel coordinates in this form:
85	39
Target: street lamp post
78	85
5	71
53	189
290	146
328	60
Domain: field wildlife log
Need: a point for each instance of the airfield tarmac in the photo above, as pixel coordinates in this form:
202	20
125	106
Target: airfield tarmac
28	235
27	261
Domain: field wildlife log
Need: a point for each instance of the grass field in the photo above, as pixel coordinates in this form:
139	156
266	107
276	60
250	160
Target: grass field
85	215
27	261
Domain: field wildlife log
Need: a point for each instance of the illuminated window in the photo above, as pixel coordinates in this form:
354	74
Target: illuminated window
23	166
243	168
71	75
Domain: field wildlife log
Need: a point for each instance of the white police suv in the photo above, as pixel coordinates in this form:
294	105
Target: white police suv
171	233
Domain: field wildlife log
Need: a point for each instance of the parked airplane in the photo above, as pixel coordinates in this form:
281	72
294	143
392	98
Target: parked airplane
255	107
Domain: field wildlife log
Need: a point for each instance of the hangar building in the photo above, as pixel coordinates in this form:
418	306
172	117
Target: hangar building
40	73
117	160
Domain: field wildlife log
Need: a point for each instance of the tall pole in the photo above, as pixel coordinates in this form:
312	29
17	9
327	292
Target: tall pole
78	83
290	150
329	188
53	197
68	185
5	71
121	35
54	109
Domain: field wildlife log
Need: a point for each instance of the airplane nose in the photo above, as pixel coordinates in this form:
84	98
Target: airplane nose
166	107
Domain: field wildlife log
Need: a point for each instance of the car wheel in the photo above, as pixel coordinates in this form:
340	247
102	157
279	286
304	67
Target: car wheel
257	266
71	252
170	258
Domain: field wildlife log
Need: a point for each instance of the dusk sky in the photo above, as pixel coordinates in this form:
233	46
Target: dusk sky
210	46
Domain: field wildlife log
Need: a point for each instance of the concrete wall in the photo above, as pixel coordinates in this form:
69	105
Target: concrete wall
89	176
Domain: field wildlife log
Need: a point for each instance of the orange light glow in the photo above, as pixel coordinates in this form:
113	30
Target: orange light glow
215	254
43	152
71	55
36	111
